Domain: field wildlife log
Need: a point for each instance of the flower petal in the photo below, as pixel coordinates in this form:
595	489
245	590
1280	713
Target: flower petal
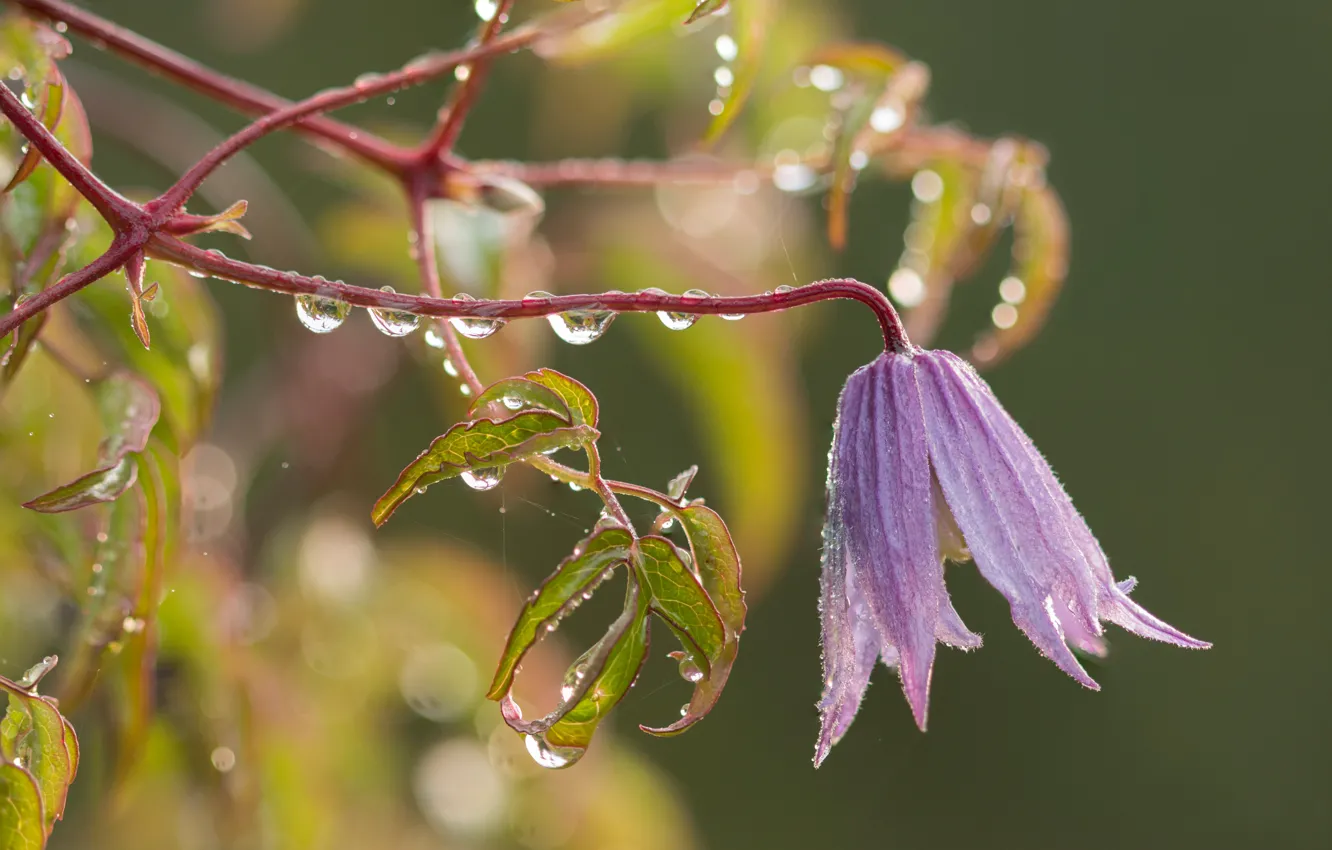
1014	527
850	644
1112	602
892	540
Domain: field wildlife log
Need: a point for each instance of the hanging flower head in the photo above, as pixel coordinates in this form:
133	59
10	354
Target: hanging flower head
926	465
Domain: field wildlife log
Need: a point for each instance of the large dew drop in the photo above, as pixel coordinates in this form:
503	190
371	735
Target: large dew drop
580	327
394	323
321	315
484	477
474	327
550	756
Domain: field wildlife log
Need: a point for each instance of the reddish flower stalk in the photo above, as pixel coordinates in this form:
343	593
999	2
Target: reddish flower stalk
413	73
237	94
464	96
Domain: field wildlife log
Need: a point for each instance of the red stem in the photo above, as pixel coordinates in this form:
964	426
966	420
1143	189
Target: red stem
235	93
412	74
217	265
450	125
118	210
120	250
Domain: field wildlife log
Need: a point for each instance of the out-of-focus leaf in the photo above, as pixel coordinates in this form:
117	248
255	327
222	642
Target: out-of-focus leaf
132	675
938	231
866	59
130	409
21	815
595	683
582	404
1040	264
37	737
481	444
718	567
33	49
752	19
708	7
50	108
609	34
514	394
184	363
593	561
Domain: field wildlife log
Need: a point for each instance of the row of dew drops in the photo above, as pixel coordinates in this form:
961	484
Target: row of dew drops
577	327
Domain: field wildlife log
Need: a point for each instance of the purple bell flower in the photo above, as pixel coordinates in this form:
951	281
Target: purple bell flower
926	465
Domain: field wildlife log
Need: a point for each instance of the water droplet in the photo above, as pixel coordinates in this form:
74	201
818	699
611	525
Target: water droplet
825	78
675	321
907	287
724	77
784	288
733	317
689	669
981	214
666	521
484	477
927	186
793	177
886	118
394	322
433	337
474	327
449	368
132	625
513	402
1012	290
575	487
224	759
1004	316
486	9
684	710
462	72
465	389
550	756
580	327
321	315
727	49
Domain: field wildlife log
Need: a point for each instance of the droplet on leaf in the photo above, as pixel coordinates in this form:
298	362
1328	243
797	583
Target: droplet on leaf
483	478
549	756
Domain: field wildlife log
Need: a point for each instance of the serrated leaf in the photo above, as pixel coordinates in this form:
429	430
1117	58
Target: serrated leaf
718	568
509	396
752	19
582	404
130	409
576	575
482	443
21	816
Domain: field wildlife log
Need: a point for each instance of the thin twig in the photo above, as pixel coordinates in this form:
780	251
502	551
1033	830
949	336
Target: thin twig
465	95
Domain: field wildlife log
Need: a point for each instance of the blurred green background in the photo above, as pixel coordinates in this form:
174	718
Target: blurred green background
1180	389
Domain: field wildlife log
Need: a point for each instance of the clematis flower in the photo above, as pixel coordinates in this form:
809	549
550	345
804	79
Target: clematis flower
926	465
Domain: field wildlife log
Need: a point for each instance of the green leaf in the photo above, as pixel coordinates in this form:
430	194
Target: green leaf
718	568
21	816
676	595
507	397
35	735
594	685
578	398
592	563
607	35
481	444
679	485
130	409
